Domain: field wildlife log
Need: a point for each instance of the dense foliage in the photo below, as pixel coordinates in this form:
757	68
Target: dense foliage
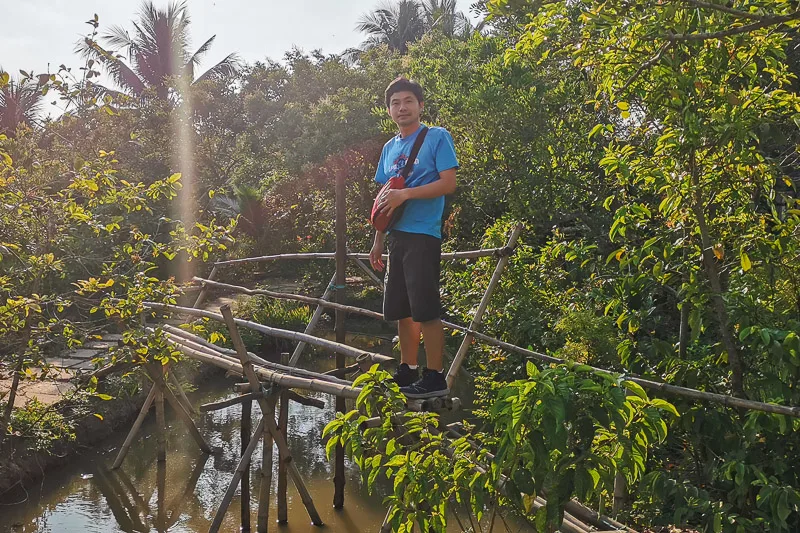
650	148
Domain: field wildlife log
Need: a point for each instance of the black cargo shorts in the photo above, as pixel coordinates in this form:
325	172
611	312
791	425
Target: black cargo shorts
412	277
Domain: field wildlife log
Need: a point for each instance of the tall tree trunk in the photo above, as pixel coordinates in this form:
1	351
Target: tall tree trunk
712	271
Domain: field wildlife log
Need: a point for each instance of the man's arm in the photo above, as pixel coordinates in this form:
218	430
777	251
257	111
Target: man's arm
376	253
394	198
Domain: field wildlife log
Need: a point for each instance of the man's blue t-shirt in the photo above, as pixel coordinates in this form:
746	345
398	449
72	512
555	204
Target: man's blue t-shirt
437	153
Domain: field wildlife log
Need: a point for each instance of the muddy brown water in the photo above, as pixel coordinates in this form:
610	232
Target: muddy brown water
183	494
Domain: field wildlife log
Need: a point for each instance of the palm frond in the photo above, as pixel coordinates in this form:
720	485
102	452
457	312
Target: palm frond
229	66
121	73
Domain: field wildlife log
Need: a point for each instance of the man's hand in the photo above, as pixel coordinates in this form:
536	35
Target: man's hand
376	252
392	199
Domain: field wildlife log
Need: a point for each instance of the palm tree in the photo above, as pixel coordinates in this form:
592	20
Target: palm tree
395	25
20	102
442	16
157	50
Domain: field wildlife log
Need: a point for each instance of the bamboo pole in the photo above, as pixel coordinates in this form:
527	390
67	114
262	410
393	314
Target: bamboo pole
312	324
156	374
458	360
269	417
471	254
658	386
368	271
187	405
161	423
265	486
319	302
151	396
277	378
275	332
204	291
283	423
222	352
340	327
244	399
243	465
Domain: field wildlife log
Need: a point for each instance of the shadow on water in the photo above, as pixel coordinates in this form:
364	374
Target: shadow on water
183	493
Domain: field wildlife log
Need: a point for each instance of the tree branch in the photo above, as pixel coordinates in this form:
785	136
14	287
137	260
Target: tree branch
766	21
729	10
644	66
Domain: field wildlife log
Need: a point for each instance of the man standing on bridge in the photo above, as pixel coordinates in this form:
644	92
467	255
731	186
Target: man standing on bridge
415	240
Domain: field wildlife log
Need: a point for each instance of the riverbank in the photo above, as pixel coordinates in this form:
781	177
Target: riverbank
22	464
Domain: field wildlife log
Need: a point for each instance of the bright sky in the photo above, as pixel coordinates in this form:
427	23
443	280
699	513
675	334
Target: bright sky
36	33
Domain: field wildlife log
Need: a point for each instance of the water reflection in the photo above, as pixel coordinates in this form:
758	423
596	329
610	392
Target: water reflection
182	494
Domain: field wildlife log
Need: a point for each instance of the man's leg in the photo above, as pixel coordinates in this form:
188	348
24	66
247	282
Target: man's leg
409	333
433	335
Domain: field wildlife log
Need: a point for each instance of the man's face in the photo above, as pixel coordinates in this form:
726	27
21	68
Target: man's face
404	108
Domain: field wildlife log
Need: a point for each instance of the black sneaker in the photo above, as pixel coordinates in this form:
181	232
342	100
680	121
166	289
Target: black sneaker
431	385
405	376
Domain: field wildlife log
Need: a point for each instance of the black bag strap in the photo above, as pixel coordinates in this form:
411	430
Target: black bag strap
409	166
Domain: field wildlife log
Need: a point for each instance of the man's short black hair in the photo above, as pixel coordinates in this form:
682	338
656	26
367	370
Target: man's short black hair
404	84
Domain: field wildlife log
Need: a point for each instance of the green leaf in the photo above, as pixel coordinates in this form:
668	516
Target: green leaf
746	264
105	397
635	388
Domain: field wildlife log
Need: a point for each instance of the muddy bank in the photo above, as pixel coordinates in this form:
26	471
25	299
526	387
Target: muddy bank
22	465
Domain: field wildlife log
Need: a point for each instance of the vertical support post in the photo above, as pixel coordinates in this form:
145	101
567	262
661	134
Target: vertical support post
476	320
267	406
161	424
341	265
244	431
266	468
204	290
283	422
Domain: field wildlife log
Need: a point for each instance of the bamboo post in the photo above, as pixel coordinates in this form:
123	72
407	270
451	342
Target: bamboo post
265	486
156	374
476	320
447	256
161	423
204	291
269	421
341	334
244	432
312	324
283	423
135	428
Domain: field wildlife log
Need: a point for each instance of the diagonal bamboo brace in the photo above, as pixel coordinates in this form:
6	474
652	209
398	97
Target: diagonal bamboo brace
135	429
177	406
476	320
269	421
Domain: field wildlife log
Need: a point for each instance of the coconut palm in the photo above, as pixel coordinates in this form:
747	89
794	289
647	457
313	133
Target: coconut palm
442	16
157	50
20	102
395	25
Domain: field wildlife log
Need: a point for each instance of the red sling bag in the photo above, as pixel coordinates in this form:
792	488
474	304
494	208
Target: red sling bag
379	219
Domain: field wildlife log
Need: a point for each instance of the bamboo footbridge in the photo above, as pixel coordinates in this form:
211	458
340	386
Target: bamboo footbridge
273	385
